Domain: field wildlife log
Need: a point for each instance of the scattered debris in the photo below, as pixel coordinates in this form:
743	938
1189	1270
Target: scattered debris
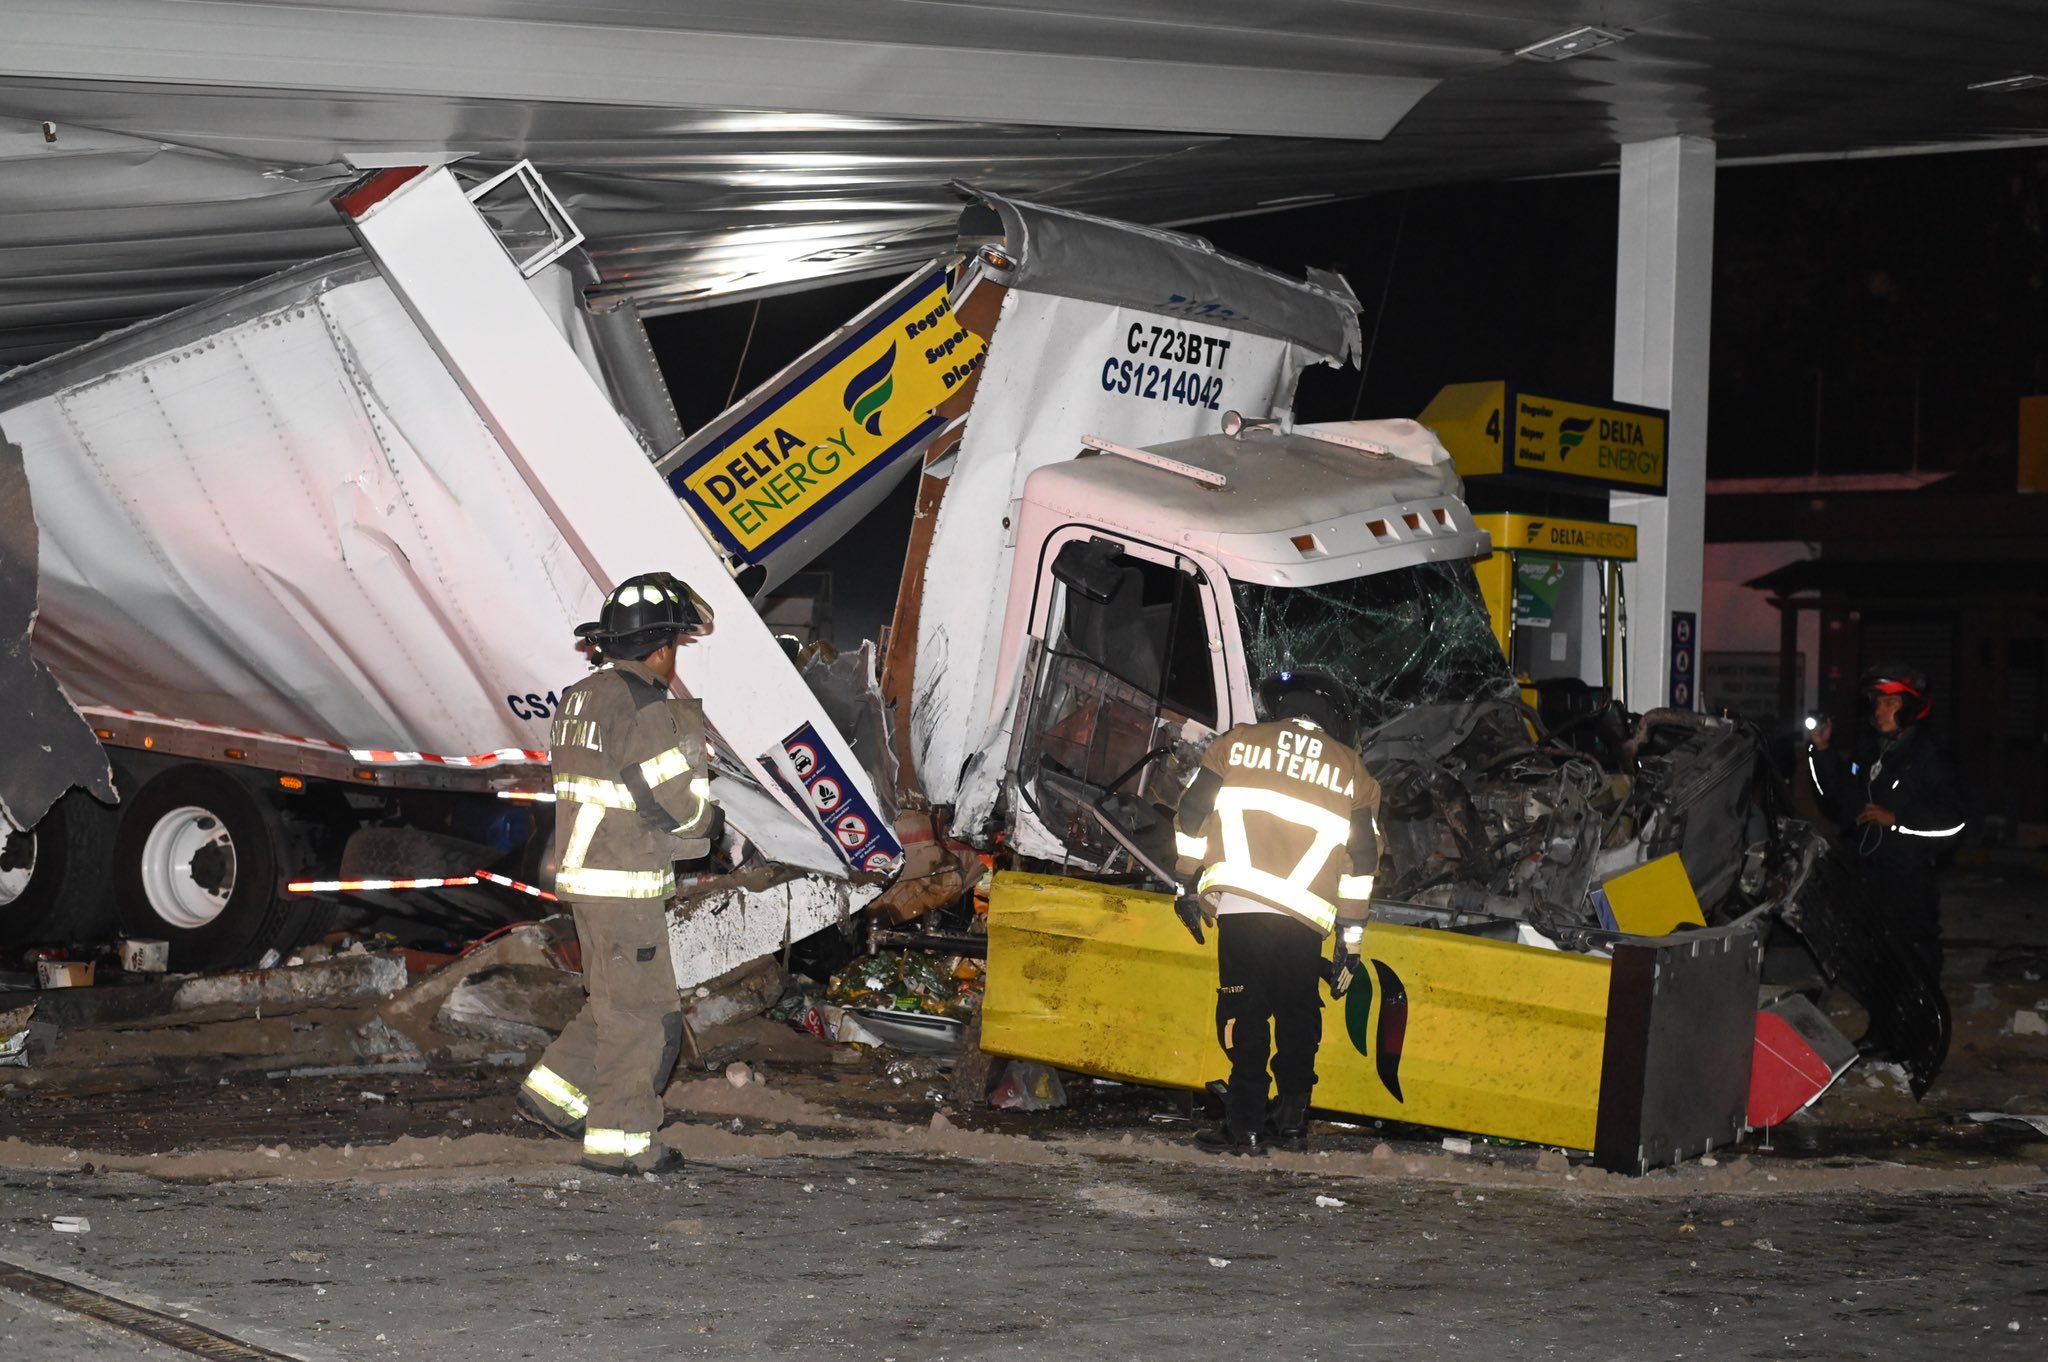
1027	1086
1457	1144
2024	1023
71	1224
14	1036
908	998
738	1074
64	973
547	943
1766	1245
2038	1123
525	1005
847	1030
144	957
1329	1202
329	983
1219	1262
734	996
909	1030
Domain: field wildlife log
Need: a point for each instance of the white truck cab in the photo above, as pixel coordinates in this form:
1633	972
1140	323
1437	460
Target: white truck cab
1155	589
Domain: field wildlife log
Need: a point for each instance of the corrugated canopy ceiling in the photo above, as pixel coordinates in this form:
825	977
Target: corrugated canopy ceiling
153	152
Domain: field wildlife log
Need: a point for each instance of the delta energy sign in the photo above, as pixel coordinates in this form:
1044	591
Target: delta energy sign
850	408
1496	428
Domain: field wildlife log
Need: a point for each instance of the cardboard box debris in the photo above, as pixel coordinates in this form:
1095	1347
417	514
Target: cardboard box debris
145	957
64	973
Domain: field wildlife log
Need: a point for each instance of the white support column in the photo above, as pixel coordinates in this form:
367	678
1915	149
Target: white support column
1663	312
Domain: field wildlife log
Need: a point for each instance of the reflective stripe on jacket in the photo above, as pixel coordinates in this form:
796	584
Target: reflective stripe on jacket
1904	774
632	785
1285	815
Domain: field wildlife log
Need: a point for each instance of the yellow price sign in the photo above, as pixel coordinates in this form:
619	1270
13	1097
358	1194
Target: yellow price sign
1495	428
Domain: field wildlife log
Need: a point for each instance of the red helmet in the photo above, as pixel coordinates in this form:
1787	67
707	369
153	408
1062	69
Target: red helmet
1909	683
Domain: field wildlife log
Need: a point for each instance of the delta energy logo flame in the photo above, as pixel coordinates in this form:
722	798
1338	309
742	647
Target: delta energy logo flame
869	392
1570	431
1380	1032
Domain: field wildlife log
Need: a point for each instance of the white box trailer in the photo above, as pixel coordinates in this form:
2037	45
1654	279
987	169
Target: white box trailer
291	580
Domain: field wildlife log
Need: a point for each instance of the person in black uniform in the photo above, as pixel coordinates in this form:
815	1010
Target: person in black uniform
1893	800
1278	841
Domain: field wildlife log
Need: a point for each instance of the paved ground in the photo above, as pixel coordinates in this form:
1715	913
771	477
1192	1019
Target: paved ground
922	1258
828	1214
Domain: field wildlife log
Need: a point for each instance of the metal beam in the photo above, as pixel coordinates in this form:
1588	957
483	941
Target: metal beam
237	44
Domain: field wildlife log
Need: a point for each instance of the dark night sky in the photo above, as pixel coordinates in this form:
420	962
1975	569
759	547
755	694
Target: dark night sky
1875	286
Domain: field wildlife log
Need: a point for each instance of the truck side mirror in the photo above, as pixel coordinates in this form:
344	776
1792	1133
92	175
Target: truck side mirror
1091	568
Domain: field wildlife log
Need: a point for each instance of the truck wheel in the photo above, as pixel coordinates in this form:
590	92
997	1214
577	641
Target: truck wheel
196	865
54	878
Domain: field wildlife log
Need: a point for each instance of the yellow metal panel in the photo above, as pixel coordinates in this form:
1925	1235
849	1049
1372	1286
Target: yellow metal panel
1496	574
1500	1039
1610	445
1467	419
1654	899
1514	532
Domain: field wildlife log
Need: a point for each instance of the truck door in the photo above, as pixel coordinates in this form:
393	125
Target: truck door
1127	663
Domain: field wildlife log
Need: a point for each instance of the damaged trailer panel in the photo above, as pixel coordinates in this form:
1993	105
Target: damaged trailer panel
562	435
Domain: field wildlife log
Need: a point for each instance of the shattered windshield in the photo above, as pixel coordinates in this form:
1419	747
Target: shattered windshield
1419	635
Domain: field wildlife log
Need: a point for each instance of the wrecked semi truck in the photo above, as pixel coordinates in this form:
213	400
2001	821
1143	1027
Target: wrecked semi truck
308	559
367	501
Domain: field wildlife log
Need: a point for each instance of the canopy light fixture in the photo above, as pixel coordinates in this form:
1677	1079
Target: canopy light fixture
2005	85
1571	43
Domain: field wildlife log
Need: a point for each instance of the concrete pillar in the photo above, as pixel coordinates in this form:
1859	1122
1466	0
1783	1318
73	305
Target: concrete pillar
1663	305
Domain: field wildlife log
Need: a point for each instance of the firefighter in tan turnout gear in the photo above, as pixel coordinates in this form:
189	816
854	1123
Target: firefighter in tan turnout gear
1282	825
632	797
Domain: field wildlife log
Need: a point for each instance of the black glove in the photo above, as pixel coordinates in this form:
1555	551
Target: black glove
1339	973
1192	915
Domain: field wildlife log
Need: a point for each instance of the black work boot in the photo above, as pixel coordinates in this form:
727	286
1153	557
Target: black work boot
533	1110
1225	1140
655	1164
1289	1123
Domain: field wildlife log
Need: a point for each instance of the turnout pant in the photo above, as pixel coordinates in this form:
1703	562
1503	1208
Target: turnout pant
608	1068
1269	970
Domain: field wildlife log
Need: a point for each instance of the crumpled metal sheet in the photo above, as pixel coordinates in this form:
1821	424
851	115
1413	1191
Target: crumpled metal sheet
849	687
1054	250
46	746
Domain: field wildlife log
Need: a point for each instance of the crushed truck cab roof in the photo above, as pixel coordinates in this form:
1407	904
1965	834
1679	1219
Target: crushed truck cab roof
1315	504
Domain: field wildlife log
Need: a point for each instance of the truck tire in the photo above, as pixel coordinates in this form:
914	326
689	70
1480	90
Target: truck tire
196	864
55	879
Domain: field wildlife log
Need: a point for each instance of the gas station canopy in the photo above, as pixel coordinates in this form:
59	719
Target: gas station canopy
154	153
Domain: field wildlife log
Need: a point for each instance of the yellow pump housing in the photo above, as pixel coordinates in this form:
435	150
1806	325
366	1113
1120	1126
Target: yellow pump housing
1439	1029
